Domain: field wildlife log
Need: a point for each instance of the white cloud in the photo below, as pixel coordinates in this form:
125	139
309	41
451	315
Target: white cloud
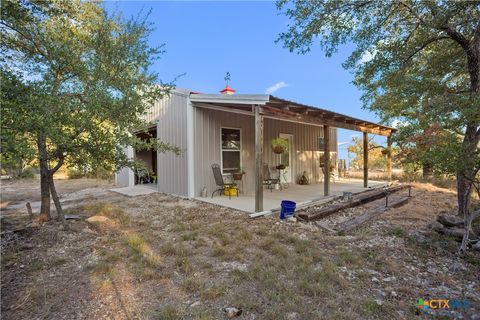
367	56
397	123
277	86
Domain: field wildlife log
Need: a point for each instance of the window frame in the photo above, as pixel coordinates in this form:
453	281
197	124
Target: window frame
230	150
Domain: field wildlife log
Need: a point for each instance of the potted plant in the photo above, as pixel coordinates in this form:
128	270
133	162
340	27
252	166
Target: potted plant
303	180
279	145
280	167
238	174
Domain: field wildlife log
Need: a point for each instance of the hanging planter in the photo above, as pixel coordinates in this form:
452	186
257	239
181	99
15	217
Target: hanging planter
279	145
238	174
278	149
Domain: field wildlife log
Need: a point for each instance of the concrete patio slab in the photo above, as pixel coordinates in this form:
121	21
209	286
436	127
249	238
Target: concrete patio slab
138	190
298	193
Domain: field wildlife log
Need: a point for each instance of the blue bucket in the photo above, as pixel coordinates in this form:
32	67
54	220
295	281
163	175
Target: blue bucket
288	209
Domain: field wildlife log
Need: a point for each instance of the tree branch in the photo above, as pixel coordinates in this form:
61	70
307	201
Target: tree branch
476	35
426	44
456	36
375	147
75	95
61	159
413	12
411	33
29	38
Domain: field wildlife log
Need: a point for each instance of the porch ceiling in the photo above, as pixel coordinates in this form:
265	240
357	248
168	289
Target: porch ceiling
282	109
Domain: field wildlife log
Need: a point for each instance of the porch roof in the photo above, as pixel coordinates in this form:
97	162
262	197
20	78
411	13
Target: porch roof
278	108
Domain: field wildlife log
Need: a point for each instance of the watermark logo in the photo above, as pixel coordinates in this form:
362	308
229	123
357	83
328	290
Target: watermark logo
424	304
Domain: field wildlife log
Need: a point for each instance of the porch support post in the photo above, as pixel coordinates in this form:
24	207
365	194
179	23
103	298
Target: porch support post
326	161
365	160
258	159
389	158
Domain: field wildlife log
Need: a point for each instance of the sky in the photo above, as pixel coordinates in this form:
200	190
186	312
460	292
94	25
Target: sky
204	40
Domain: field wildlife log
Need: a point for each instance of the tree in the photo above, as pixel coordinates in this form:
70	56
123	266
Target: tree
412	58
377	154
82	80
427	147
17	149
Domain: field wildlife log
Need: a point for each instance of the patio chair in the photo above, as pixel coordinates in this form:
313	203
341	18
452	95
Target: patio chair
221	184
143	176
267	178
333	175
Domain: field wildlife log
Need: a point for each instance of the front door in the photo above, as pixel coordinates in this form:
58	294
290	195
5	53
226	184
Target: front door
286	159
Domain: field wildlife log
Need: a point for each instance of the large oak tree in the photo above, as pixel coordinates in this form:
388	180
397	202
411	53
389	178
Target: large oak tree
417	62
80	80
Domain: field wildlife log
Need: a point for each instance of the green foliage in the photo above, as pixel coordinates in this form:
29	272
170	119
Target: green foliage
417	62
27	173
98	173
409	60
78	80
377	159
17	148
280	142
430	145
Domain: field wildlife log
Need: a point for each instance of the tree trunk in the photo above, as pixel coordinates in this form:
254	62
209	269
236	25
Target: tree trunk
58	206
466	171
465	179
44	177
464	191
466	174
427	170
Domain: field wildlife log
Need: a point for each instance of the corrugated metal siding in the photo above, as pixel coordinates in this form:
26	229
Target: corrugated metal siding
122	178
306	155
171	114
207	131
207	126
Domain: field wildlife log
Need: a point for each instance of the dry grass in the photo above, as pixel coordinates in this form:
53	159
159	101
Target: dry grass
158	258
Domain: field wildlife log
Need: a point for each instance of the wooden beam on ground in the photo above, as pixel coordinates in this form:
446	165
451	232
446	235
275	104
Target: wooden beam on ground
361	219
362	198
260	214
258	160
365	160
326	161
323	227
389	158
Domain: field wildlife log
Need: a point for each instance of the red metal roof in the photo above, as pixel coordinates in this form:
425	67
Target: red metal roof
227	89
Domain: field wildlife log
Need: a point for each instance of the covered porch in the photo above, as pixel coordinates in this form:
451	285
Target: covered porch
243	126
301	194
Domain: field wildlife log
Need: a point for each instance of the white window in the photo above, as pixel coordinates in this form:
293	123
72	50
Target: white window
230	150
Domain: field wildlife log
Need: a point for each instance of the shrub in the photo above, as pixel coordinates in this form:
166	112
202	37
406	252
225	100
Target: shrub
98	173
26	174
74	173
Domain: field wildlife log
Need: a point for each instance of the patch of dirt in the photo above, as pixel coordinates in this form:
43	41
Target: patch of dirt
15	193
161	257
